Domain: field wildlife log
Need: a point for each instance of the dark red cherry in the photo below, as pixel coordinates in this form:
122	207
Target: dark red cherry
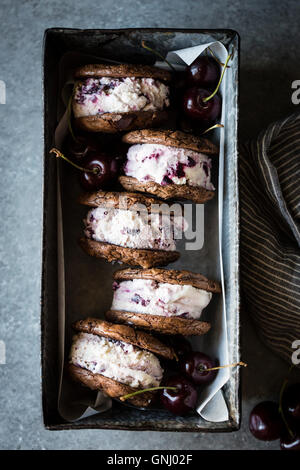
265	422
204	72
195	365
183	399
290	443
196	108
181	346
77	148
105	171
179	81
291	402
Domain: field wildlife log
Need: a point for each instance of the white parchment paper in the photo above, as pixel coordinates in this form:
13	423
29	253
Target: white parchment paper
211	406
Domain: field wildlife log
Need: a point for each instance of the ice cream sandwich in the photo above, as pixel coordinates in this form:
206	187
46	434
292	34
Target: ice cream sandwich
117	359
113	98
169	164
161	300
130	228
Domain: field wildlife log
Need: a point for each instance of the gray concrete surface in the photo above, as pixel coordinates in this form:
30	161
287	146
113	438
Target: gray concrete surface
270	38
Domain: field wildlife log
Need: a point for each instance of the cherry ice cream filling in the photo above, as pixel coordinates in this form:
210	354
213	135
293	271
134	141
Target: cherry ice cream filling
94	96
168	165
134	229
159	298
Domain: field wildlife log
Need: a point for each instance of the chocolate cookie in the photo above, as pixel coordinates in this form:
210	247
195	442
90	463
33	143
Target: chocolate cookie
171	276
110	387
164	325
111	123
171	138
131	256
142	340
122	71
172	191
126	200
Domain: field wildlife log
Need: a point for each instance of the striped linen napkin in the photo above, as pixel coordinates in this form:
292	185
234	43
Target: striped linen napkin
269	177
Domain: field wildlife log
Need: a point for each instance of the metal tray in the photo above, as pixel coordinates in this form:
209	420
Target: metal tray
124	45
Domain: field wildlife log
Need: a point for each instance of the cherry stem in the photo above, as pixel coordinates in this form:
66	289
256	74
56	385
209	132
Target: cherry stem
223	367
152	389
280	408
158	55
220	81
216	58
61	155
211	128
